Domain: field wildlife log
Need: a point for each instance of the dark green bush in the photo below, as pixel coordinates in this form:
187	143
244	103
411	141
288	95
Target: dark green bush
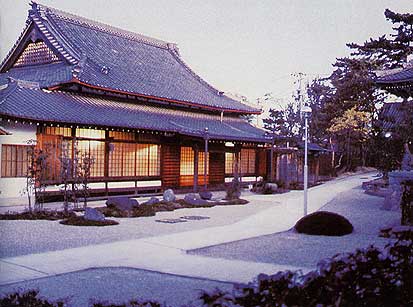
80	221
27	299
325	224
368	277
37	215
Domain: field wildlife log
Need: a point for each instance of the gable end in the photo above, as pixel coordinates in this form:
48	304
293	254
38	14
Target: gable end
36	53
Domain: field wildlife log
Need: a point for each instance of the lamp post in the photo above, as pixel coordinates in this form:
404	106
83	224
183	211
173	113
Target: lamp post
306	111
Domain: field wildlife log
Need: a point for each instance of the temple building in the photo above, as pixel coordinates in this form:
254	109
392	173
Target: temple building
129	101
398	82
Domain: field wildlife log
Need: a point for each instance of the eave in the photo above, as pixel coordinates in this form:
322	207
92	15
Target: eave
167	100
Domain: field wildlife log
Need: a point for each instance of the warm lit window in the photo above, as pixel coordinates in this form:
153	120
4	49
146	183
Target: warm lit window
96	150
124	136
229	163
147	160
14	160
248	161
124	158
187	161
90	133
63	131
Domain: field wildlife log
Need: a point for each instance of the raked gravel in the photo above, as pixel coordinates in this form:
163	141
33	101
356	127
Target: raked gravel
22	237
290	248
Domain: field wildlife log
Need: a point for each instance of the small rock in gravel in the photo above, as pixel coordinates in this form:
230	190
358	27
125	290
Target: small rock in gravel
152	201
194	200
205	195
169	195
91	214
122	203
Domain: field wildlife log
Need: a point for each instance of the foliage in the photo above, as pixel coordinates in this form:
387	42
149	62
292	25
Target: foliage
233	190
353	127
80	221
389	53
284	121
65	173
83	162
351	85
407	203
366	277
27	299
37	173
37	215
150	210
324	223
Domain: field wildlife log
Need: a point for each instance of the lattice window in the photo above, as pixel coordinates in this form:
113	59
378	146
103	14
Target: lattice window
90	133
118	135
58	131
14	160
96	149
229	163
187	161
36	53
122	160
248	161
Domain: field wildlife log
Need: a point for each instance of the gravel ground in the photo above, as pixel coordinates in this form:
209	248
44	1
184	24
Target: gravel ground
118	285
22	237
292	248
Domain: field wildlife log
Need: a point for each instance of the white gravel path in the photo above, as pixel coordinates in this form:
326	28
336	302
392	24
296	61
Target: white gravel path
291	248
27	237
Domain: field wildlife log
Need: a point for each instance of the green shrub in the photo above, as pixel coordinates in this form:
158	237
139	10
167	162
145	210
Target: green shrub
27	299
80	221
51	215
325	224
368	277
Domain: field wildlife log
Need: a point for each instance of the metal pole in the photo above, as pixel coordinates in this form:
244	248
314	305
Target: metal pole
305	164
272	161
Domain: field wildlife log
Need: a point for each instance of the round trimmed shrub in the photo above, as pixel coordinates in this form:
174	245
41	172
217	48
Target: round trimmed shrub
324	223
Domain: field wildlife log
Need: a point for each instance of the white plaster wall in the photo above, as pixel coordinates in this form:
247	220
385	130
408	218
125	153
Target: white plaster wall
20	134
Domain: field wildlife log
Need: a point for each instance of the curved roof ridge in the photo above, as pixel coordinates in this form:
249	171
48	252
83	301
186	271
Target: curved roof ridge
194	74
29	22
103	27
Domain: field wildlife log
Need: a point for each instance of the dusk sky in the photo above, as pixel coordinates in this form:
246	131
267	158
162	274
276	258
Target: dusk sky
244	47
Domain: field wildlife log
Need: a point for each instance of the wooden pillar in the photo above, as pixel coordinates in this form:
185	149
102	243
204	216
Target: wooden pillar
196	162
206	164
272	163
236	165
106	161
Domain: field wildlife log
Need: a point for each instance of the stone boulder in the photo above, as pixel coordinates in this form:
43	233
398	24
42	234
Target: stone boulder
169	195
92	214
194	200
205	195
273	187
152	201
122	203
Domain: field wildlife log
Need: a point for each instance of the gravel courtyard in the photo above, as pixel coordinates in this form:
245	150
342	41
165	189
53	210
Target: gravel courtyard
291	248
22	237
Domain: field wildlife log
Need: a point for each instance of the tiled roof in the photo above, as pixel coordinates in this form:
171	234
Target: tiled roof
108	58
46	75
313	147
62	107
406	75
392	115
